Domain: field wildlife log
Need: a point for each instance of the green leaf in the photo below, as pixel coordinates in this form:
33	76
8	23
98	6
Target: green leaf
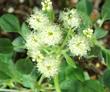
6	57
67	72
24	30
69	60
73	80
68	82
100	33
106	10
77	73
71	85
4	76
5	72
25	66
106	55
106	78
27	81
19	44
95	52
86	21
7	68
9	23
85	6
92	86
5	46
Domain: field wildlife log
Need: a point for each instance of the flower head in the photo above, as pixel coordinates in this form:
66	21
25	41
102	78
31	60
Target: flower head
33	44
49	66
70	18
46	5
79	45
51	35
32	41
36	55
38	20
88	32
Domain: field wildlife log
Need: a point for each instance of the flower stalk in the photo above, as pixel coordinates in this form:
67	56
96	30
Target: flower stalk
56	84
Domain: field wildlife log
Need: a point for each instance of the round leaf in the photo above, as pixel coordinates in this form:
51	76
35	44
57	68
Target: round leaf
25	66
9	23
5	46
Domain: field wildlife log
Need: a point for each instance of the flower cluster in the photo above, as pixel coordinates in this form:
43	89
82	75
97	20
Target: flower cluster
88	32
46	5
47	39
51	35
38	20
70	18
49	66
43	34
79	45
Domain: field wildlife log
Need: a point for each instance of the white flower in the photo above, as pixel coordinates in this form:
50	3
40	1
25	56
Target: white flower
79	45
70	18
46	5
36	55
50	35
38	20
32	41
88	32
33	46
49	67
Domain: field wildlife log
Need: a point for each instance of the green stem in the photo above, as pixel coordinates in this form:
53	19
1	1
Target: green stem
66	38
64	42
99	45
8	90
56	84
41	79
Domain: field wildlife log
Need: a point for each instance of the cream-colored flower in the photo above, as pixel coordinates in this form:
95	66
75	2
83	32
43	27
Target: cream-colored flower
32	41
88	32
33	44
49	67
36	55
51	35
79	45
38	20
70	18
46	5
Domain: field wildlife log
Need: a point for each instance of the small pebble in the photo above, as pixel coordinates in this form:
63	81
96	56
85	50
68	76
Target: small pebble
21	1
10	10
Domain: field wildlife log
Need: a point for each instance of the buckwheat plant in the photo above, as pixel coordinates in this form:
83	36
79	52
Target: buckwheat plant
50	43
57	49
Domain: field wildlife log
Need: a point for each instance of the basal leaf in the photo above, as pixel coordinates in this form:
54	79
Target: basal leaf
24	30
5	72
85	6
25	66
106	55
9	23
4	76
19	44
5	46
106	78
100	33
106	10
